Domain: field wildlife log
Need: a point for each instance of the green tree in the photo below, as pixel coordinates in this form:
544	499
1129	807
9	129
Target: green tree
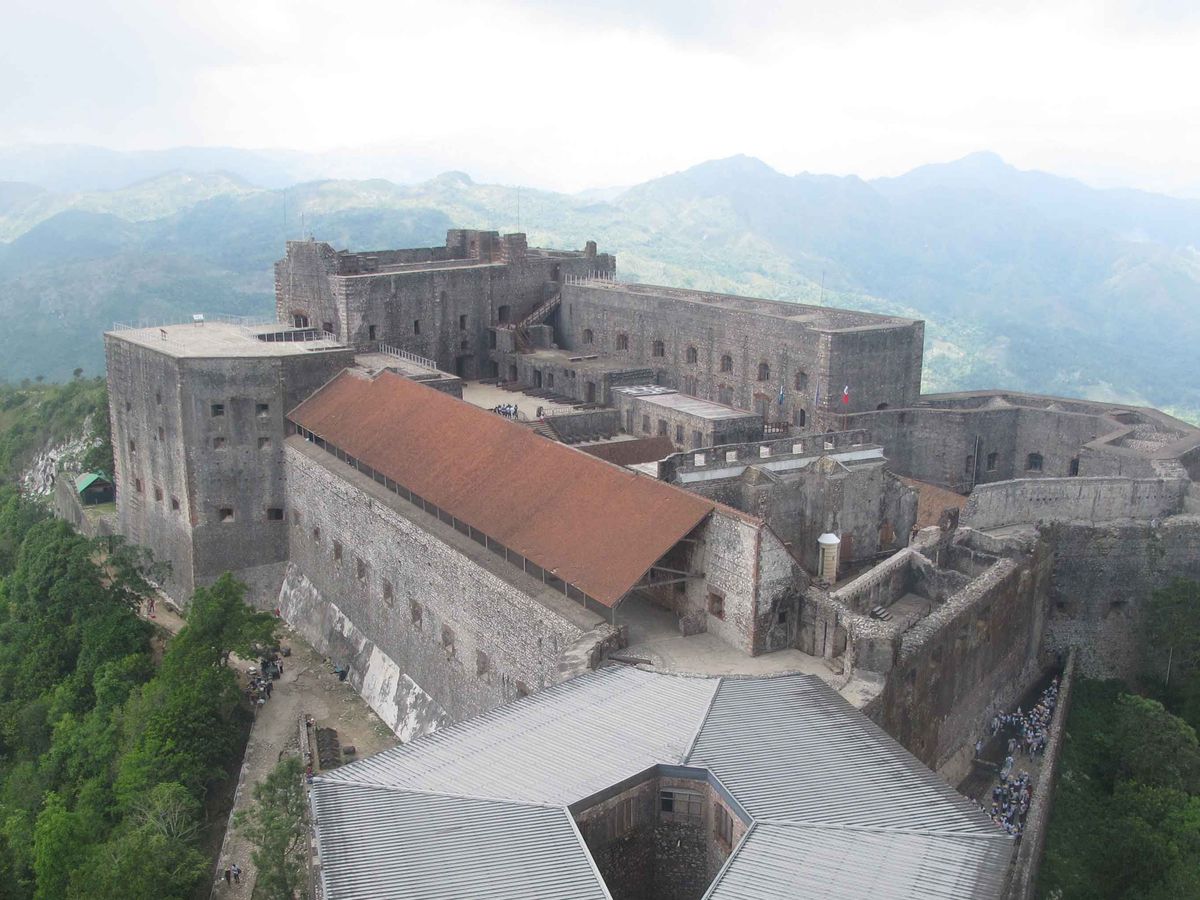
275	826
219	622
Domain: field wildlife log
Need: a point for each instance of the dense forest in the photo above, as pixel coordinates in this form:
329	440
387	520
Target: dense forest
35	415
1126	816
111	746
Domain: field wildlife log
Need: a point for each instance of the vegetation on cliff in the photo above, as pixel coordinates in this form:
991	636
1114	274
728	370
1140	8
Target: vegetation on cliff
36	415
107	759
1126	817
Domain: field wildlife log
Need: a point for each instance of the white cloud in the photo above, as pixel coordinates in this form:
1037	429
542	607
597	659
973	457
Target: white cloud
582	94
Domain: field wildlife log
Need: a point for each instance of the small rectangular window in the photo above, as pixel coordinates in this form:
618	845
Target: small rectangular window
264	443
137	485
218	409
218	443
337	551
646	424
360	568
662	427
388	592
262	410
225	514
316	535
716	605
462	323
370	332
175	504
991	462
162	435
132	446
158	397
274	514
679	434
327	327
415	612
626	816
416	326
158	493
481	663
681	804
448	639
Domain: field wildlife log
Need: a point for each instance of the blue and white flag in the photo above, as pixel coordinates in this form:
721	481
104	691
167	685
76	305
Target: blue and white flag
781	393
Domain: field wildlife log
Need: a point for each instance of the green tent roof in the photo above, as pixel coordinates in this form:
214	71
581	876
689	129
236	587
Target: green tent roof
87	479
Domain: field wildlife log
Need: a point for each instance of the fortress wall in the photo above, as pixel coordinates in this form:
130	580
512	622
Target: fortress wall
580	426
1103	575
145	392
302	284
1064	499
892	355
412	597
973	655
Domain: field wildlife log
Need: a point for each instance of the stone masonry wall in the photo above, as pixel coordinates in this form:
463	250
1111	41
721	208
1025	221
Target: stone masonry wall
797	356
471	631
1103	575
1064	499
973	655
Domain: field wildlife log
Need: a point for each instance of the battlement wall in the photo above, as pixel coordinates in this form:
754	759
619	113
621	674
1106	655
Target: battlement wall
1066	499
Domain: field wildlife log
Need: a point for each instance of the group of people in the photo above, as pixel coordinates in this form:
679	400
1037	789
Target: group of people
1026	733
261	679
233	874
508	410
1010	802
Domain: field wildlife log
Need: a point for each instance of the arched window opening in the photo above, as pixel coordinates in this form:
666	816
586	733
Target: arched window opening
588	336
692	355
764	372
622	342
659	349
726	363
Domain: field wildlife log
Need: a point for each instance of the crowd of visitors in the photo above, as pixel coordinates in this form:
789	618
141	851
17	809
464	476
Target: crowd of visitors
261	678
508	410
1026	733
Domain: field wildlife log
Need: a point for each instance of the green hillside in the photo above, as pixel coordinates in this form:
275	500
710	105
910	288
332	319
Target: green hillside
1026	280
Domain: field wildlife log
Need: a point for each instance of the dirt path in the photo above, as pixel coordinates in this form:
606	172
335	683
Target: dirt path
307	687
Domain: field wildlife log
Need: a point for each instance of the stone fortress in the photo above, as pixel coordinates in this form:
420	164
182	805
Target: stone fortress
756	488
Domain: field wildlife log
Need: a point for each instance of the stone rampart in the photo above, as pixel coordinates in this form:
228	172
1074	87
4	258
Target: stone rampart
390	591
1067	499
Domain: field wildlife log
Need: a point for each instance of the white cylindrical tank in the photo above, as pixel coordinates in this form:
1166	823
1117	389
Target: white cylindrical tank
830	545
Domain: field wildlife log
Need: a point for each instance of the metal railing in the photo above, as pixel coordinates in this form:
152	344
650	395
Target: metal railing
242	321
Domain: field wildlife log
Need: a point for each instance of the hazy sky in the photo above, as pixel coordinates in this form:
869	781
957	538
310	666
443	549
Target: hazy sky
579	93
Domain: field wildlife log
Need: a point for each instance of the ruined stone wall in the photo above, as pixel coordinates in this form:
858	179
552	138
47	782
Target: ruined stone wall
1064	499
461	624
666	855
1103	575
796	356
584	424
958	448
302	285
973	655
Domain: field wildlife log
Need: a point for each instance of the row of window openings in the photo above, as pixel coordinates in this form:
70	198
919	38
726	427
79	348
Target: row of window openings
261	410
220	442
680	805
528	566
362	570
1033	463
692	356
224	513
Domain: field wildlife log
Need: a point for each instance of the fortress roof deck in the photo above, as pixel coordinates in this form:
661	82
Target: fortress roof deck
819	318
222	339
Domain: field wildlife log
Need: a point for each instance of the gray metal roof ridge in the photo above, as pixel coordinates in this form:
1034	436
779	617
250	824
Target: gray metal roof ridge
733	854
586	852
397	789
687	754
881	829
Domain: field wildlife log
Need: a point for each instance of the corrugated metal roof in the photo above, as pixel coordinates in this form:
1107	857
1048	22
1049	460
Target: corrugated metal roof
839	809
555	746
794	860
87	479
376	842
821	760
594	525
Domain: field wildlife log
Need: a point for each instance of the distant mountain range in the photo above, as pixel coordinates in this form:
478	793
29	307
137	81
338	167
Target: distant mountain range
1026	280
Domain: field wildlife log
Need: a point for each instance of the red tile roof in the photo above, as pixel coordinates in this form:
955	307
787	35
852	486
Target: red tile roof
592	524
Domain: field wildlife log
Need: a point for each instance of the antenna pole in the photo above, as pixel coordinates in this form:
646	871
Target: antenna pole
518	209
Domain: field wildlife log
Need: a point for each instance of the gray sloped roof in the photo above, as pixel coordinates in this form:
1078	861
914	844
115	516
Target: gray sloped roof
839	809
377	842
783	859
555	746
821	760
